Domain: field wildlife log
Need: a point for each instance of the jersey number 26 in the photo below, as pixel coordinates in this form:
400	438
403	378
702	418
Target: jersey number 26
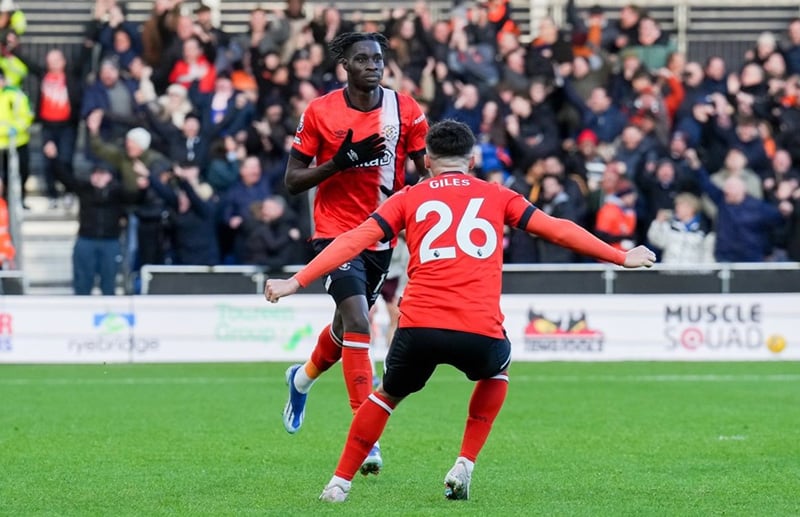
469	222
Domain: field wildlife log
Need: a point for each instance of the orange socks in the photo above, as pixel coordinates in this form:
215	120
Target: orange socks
327	352
357	367
367	426
487	399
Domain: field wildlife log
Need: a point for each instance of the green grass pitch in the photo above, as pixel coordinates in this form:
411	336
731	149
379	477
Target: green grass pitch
603	439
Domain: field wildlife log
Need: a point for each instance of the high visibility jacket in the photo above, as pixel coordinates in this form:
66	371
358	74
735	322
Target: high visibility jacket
16	117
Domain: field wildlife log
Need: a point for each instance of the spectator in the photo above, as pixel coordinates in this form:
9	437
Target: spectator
547	50
512	72
223	112
270	234
693	76
157	31
102	201
174	49
735	165
573	184
532	131
225	157
555	201
58	112
781	170
113	96
194	215
264	36
7	249
613	174
118	37
14	67
16	118
522	248
598	114
715	76
766	45
136	162
680	234
654	47
793	230
586	160
12	17
466	107
659	190
295	16
252	186
193	67
637	153
272	78
627	27
228	50
616	219
744	224
792	49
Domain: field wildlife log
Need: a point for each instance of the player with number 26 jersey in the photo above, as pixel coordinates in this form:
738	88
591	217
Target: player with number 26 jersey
454	222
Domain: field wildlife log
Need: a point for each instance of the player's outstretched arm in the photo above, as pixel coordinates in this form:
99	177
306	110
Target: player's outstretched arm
277	288
343	248
640	256
568	234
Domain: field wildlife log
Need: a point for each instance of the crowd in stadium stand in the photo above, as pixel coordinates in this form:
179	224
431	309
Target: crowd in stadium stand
601	121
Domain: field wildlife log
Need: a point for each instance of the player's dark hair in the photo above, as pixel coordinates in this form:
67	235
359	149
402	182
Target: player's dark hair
450	138
342	43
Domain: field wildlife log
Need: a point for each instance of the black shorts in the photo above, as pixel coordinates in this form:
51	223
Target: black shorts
415	353
364	275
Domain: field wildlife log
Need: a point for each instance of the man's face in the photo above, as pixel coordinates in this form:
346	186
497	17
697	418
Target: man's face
109	74
132	149
598	101
364	65
191	127
55	61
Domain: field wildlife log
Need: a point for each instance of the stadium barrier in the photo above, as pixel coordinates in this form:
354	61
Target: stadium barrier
777	277
541	327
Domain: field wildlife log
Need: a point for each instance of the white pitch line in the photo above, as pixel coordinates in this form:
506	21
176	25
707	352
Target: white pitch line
77	381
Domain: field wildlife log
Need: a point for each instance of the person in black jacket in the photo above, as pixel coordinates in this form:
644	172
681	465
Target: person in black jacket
194	206
97	249
271	234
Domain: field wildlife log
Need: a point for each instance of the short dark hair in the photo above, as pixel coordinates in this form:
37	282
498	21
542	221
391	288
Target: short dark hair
342	43
449	138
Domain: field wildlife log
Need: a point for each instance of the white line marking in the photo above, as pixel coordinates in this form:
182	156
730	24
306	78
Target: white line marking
67	381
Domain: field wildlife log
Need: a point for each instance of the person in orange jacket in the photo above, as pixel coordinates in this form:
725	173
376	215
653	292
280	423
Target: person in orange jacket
616	219
7	250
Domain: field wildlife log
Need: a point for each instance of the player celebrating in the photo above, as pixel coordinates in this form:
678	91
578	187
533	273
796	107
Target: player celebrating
450	312
360	137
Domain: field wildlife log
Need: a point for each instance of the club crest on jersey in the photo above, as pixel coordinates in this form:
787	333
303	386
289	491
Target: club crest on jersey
345	267
391	132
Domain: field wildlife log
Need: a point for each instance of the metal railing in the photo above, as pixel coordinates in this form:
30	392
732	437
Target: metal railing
718	278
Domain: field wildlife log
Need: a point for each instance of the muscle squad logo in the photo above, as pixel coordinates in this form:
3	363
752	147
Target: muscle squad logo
714	326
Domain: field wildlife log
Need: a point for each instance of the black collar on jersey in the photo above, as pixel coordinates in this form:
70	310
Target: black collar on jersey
451	172
350	104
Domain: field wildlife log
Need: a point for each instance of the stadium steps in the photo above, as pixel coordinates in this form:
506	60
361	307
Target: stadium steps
48	236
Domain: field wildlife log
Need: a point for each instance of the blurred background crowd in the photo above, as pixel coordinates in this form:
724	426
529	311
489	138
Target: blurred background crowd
185	128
